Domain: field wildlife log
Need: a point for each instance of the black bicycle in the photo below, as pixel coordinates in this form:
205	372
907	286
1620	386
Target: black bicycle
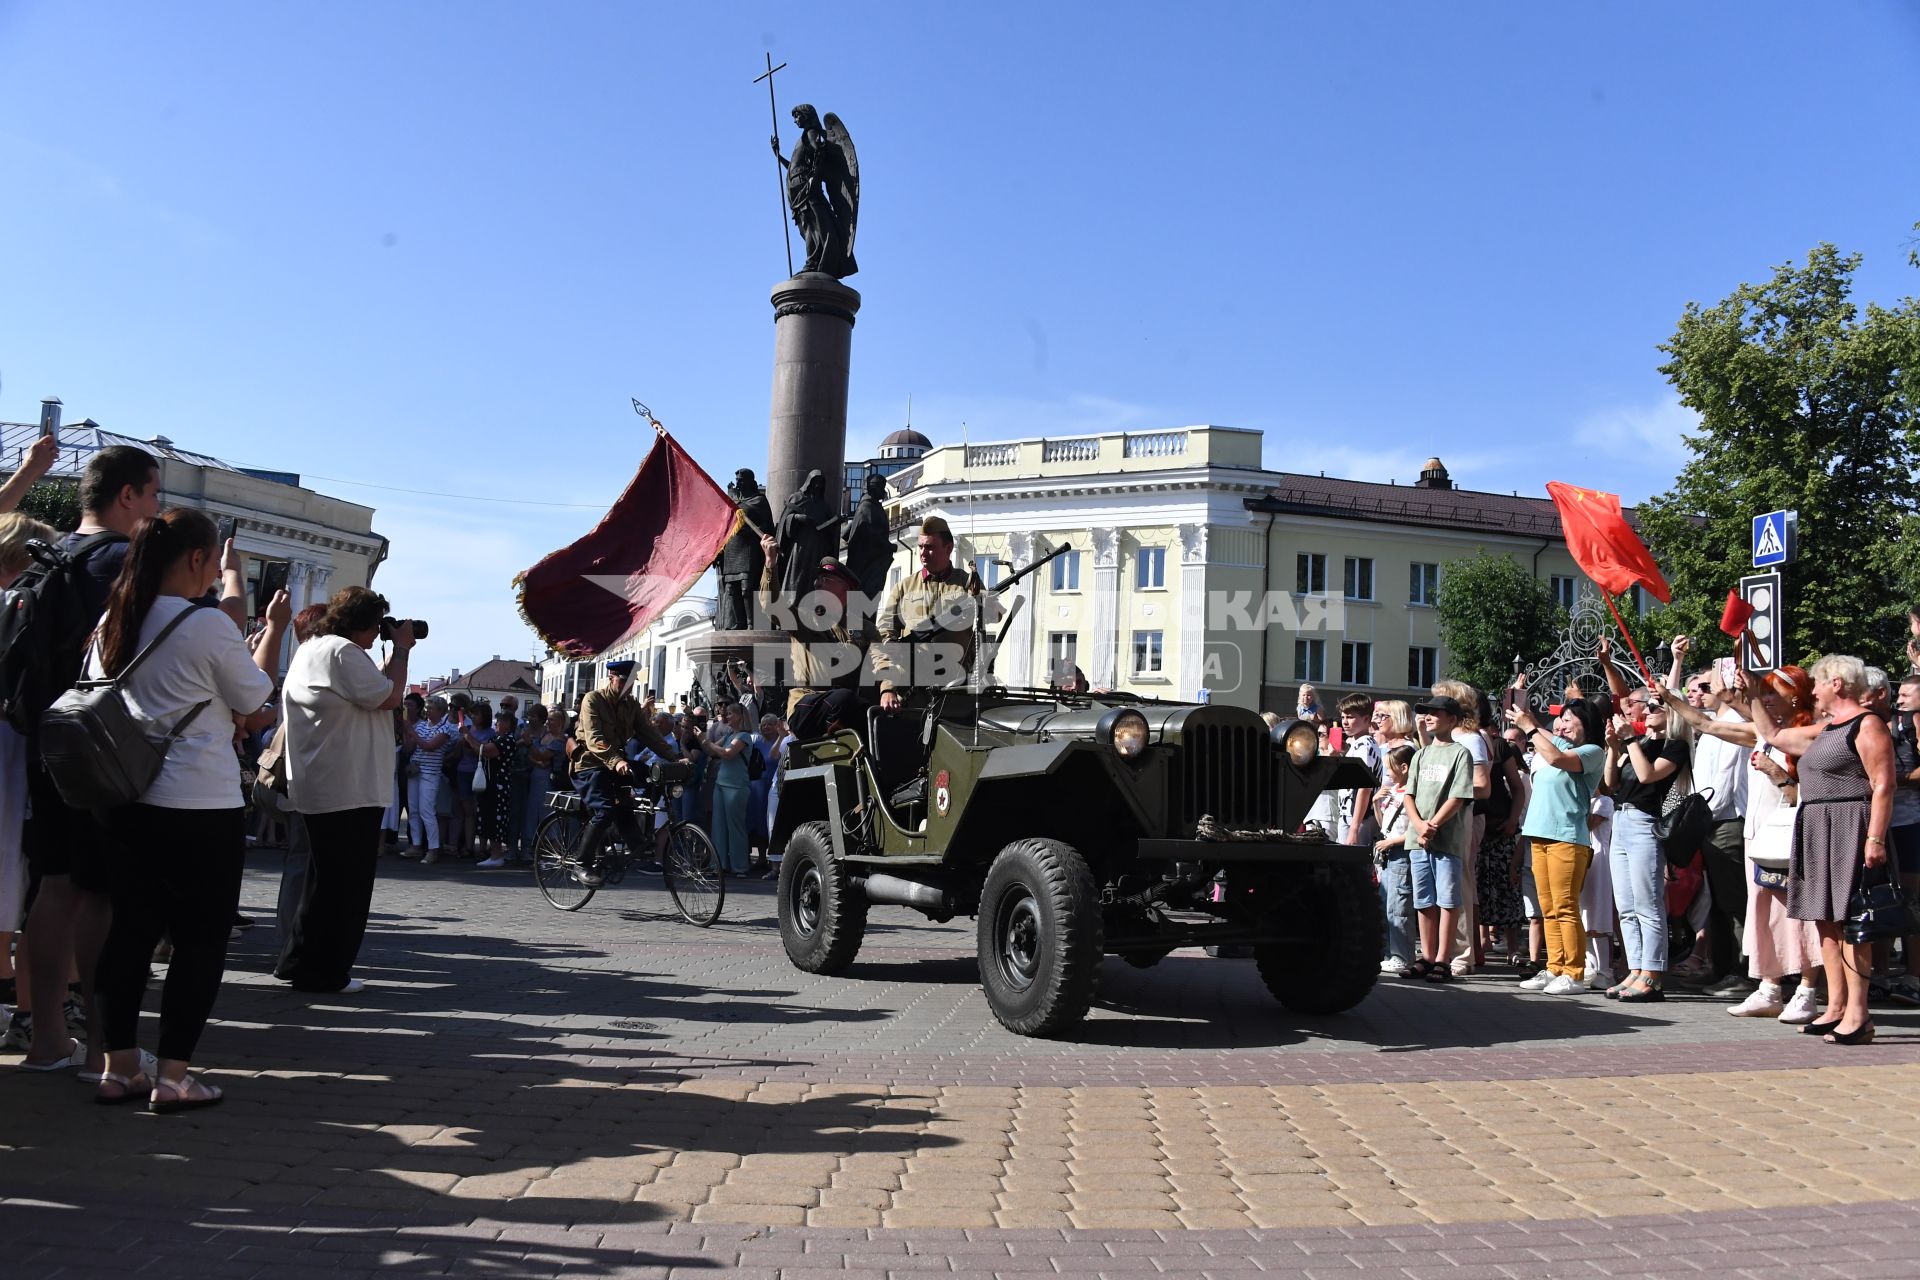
690	864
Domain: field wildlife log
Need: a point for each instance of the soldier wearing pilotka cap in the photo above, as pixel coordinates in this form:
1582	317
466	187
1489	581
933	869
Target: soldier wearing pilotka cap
926	624
827	630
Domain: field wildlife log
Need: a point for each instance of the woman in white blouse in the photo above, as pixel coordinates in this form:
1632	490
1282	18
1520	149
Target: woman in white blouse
178	861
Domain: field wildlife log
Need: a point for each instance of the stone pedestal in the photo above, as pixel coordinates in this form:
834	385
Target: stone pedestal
812	340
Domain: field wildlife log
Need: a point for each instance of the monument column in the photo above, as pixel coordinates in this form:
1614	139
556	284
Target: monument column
812	343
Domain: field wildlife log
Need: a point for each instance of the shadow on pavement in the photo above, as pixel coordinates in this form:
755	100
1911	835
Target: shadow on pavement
432	1100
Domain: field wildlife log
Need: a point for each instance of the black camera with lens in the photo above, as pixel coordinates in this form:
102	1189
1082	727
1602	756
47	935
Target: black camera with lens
390	625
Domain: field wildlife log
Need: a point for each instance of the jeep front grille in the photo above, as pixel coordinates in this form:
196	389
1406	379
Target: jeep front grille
1229	771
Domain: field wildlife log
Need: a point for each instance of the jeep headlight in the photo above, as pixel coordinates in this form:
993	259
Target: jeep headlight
1125	731
1301	741
676	791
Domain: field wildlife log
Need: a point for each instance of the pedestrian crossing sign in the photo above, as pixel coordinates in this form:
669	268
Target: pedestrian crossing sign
1773	538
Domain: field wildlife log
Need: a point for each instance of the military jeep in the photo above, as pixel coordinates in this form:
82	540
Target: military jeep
1072	827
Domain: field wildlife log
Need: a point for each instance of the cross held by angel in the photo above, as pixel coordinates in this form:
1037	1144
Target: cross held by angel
823	191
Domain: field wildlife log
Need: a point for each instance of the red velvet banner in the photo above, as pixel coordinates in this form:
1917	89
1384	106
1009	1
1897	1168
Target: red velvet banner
653	544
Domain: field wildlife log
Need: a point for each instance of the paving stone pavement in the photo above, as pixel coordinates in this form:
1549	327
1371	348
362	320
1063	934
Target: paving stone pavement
613	1092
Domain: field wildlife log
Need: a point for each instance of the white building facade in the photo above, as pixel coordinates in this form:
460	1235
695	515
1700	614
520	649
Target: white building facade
660	650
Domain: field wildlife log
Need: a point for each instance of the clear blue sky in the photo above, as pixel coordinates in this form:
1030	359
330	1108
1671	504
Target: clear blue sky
438	246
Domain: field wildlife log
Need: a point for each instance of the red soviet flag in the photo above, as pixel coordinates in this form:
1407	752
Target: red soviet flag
1603	543
653	543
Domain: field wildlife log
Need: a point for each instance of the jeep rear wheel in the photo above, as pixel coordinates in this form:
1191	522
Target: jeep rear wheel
1039	937
1342	930
823	917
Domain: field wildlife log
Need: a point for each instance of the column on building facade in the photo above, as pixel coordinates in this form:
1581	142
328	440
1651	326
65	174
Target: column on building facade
1016	655
297	584
1103	668
1193	611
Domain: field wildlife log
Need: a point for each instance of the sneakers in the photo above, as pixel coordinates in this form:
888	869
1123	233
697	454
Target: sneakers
76	1016
19	1032
1538	982
1596	980
1803	1008
353	988
491	864
1765	1002
1564	985
1905	991
1392	966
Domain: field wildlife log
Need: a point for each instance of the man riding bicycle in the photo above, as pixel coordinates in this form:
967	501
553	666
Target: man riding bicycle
609	718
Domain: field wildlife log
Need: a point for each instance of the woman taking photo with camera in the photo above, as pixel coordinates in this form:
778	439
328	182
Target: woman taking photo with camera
339	779
176	868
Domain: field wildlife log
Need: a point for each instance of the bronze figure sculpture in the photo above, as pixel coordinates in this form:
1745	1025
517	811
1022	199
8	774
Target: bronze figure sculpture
869	539
809	533
823	191
741	559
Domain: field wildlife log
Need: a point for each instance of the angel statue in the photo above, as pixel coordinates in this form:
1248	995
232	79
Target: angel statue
823	189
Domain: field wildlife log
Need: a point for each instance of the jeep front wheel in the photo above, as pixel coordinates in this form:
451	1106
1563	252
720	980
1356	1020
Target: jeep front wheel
1340	931
1039	937
823	916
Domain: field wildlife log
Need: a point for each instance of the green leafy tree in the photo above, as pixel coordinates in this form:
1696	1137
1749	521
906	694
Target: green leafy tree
1491	608
1805	404
57	502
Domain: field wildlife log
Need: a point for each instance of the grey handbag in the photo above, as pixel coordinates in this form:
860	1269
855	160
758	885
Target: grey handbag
96	750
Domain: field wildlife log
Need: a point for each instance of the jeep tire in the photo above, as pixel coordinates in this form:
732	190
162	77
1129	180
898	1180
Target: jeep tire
1039	937
823	916
1345	931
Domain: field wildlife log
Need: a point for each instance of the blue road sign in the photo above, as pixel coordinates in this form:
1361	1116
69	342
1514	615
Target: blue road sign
1773	538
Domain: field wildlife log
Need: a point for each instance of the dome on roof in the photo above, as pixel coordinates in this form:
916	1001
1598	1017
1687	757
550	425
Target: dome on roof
907	436
1433	464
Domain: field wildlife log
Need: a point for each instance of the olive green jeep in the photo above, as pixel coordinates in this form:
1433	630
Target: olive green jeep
1075	826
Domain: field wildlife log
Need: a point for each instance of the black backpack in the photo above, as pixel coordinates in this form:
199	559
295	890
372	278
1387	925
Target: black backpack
45	619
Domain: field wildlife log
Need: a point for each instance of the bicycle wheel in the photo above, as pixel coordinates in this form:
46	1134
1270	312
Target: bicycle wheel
556	856
694	875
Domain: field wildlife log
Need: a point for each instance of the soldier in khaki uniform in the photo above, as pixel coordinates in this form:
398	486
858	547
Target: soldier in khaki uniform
609	718
940	597
827	634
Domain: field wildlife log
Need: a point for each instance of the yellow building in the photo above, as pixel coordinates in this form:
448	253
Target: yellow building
1194	572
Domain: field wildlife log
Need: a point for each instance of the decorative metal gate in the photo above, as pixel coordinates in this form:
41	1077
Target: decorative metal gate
1575	660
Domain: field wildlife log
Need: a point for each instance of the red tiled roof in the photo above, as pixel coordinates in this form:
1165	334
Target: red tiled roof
1409	504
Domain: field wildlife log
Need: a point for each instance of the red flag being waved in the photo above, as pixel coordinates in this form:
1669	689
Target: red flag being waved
652	545
1602	542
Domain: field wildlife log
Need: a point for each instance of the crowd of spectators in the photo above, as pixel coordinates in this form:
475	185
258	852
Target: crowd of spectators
1486	819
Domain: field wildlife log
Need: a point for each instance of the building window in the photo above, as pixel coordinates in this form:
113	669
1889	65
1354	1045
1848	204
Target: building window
1359	582
1641	599
1423	666
1564	590
1310	574
1356	663
1309	659
987	569
1150	568
1063	655
1066	572
1423	584
1148	652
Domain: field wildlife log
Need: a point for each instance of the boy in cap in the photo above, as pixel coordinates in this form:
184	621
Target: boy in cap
1439	828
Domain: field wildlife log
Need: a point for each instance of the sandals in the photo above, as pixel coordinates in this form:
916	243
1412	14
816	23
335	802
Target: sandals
187	1094
1418	970
149	1067
76	1057
1439	973
1641	993
133	1087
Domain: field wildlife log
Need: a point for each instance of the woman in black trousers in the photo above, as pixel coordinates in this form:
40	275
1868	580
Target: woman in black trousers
177	865
339	709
